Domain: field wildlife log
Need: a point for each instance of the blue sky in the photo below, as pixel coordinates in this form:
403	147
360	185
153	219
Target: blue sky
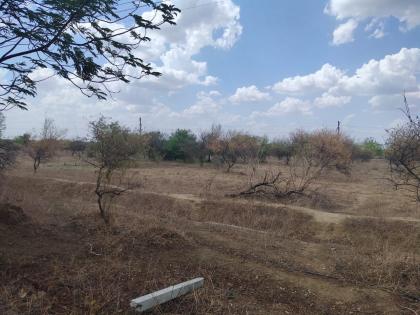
265	67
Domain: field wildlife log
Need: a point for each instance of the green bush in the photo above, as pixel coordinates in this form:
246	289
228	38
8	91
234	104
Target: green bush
373	146
181	145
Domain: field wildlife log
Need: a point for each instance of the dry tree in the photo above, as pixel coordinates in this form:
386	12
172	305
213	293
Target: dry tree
45	147
110	152
403	153
313	155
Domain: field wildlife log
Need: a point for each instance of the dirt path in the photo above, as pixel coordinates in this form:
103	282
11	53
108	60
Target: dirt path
318	215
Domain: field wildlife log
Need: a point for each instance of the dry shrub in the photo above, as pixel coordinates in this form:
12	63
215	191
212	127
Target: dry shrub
403	153
313	155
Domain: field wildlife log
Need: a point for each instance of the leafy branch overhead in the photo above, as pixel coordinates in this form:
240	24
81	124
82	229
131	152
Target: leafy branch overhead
88	42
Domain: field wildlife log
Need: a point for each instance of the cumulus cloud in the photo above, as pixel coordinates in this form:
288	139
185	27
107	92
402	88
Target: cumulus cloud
323	79
344	32
392	74
288	105
328	100
248	94
381	80
374	12
406	11
172	49
205	104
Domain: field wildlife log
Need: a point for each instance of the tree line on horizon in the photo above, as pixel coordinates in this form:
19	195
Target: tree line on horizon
215	145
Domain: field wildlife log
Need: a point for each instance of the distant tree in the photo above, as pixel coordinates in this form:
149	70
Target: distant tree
110	152
264	148
154	143
45	147
247	147
181	145
8	150
77	146
208	142
281	149
403	153
23	140
371	145
361	153
87	42
226	150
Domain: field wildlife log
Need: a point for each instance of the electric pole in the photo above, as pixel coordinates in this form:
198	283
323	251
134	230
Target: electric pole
140	126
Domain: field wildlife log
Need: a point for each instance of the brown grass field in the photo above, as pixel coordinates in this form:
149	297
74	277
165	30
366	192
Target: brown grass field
352	248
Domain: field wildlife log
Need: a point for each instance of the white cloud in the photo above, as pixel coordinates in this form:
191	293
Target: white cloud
248	94
382	80
172	49
328	100
390	75
323	79
205	104
394	101
288	105
344	32
406	11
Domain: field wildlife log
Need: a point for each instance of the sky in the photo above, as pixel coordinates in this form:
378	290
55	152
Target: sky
264	67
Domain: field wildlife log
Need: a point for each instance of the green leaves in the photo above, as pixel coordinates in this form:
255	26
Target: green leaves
75	38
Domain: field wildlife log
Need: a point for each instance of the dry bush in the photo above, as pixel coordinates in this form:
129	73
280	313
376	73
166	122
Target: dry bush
46	146
403	153
110	152
313	155
208	143
8	153
232	147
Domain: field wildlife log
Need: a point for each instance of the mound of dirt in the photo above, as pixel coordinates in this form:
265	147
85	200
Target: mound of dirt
12	215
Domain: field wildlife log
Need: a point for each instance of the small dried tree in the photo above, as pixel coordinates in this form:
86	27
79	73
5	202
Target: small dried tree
313	154
43	149
208	143
226	150
110	153
403	153
232	147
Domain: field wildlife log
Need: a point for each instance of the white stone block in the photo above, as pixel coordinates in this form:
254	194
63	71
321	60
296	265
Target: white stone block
148	301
